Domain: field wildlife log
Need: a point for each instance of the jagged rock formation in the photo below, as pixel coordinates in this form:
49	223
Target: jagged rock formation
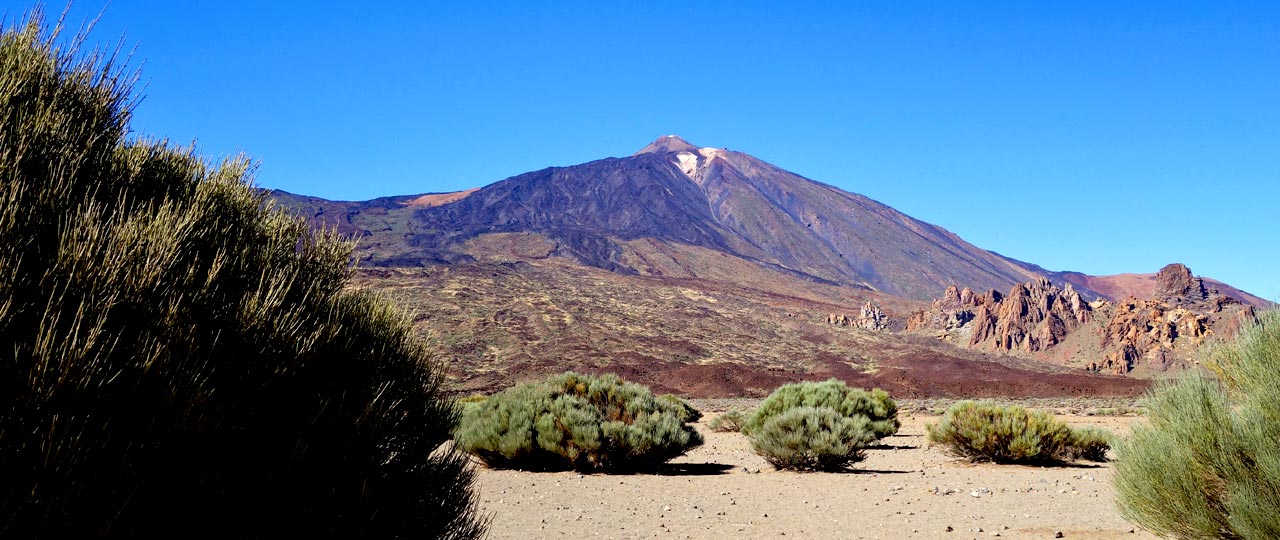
870	317
1157	334
1034	316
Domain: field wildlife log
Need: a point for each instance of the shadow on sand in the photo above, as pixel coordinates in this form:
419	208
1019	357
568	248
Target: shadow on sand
693	469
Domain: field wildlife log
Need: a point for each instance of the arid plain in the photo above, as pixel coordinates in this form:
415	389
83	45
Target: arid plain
904	489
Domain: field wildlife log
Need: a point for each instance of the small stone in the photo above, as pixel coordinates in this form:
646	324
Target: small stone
1057	534
949	529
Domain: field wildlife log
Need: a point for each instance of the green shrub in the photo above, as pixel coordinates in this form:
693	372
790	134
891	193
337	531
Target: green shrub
876	406
180	359
580	422
687	412
473	401
1089	443
728	421
986	431
812	439
1207	462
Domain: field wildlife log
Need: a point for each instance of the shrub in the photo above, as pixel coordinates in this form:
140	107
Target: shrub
1206	465
876	406
1089	443
687	412
728	421
180	359
986	431
580	422
812	439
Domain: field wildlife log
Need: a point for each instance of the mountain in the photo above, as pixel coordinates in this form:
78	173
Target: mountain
710	272
643	213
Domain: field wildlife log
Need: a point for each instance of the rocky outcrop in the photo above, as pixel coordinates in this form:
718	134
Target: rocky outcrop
1149	330
1158	333
1034	316
870	317
1175	284
953	310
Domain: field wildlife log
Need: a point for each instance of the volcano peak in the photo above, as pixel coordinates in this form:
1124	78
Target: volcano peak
667	144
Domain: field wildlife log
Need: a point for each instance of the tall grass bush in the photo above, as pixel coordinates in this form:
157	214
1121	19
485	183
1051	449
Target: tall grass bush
1207	463
179	358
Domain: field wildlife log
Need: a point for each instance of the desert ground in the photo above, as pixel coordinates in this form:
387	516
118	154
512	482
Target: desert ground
902	490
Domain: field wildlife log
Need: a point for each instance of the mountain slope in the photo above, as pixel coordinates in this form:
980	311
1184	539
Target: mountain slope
679	195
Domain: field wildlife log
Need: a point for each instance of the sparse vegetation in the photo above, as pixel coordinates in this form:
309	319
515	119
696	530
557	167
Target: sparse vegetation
580	422
876	406
729	421
1207	464
987	431
181	358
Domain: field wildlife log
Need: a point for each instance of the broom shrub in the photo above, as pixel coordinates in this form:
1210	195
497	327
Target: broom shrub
581	422
181	359
1207	462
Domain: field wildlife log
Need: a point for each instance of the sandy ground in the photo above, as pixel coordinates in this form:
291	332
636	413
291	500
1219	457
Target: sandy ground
723	490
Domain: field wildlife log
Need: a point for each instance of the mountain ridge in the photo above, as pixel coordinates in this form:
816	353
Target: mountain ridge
676	192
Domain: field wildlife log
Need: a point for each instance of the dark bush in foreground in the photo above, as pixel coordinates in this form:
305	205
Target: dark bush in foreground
876	406
580	422
1207	464
687	412
181	360
812	439
728	421
985	431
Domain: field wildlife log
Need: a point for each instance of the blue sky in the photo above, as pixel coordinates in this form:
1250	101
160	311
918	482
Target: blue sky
1101	137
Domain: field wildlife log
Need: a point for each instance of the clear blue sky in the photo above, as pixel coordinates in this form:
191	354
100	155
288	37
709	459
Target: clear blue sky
1102	137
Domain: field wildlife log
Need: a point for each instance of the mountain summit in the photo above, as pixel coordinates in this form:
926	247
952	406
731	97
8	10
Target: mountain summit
677	210
666	144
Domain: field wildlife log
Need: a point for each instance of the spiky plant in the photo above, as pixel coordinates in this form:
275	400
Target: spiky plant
180	358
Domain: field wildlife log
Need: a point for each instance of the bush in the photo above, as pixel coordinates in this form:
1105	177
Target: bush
580	422
1207	465
1089	443
986	431
812	439
180	359
876	406
687	412
729	421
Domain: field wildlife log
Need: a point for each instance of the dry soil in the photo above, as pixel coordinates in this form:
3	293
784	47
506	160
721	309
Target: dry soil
902	490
